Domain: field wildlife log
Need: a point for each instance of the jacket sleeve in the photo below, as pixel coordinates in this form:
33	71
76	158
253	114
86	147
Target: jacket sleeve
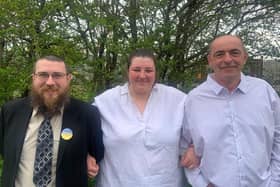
95	135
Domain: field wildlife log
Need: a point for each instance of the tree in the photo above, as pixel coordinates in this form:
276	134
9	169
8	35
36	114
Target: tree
95	37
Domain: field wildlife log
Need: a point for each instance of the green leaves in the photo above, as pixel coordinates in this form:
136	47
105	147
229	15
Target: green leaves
95	37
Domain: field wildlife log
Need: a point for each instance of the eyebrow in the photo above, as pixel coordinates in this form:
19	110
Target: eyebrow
139	67
223	51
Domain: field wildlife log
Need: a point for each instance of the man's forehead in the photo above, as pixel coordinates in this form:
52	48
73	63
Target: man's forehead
47	64
44	62
227	39
226	44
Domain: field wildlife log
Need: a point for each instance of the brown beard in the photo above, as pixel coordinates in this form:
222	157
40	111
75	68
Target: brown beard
45	106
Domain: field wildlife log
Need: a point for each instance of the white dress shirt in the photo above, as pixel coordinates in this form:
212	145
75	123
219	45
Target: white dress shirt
141	150
236	134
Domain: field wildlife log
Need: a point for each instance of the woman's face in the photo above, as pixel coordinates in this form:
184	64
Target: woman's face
141	75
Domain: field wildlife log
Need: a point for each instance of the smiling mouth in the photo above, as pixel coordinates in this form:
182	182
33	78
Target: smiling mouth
228	67
49	91
142	82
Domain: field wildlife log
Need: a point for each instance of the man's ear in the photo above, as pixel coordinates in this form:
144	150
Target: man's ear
33	76
69	76
245	57
209	59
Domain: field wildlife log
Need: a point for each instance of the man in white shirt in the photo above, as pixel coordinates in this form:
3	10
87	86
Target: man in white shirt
233	121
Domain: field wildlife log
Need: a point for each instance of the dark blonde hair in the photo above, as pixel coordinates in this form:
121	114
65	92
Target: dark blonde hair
53	58
141	53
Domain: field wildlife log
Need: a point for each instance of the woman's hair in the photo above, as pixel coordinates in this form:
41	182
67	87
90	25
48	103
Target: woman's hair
141	53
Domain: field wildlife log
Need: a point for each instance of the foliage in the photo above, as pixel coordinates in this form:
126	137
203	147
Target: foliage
96	36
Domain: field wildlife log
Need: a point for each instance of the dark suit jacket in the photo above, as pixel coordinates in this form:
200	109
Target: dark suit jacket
82	118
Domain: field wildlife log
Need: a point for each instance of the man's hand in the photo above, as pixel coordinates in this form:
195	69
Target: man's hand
189	159
92	166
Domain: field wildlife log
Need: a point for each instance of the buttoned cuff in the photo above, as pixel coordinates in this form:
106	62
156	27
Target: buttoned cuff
195	178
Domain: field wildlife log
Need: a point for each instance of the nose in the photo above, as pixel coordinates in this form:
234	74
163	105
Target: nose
227	58
50	81
142	74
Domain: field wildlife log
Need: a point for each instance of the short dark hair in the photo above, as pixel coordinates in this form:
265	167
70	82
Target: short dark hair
141	53
53	58
222	35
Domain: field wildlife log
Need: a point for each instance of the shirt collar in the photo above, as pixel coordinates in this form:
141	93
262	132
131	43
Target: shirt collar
217	88
124	89
243	85
36	111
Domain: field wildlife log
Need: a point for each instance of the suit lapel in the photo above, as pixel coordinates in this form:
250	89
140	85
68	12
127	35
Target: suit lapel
23	117
68	121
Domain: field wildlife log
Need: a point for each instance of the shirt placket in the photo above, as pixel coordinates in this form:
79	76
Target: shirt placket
231	118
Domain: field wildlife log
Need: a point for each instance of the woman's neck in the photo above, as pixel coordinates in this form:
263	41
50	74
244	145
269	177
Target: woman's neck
139	99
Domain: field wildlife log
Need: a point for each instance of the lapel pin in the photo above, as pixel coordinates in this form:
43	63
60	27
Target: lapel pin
66	134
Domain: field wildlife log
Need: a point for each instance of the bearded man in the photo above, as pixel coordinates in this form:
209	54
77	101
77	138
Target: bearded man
45	138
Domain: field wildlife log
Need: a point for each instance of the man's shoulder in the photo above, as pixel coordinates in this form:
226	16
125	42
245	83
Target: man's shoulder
16	106
202	87
257	82
74	102
79	105
17	103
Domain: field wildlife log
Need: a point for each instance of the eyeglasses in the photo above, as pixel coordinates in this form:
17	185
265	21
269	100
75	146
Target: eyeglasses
45	75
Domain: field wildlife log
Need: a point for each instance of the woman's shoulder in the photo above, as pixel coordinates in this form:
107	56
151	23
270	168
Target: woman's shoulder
169	89
111	93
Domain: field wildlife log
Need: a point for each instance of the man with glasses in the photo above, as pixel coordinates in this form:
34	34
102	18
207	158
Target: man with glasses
46	137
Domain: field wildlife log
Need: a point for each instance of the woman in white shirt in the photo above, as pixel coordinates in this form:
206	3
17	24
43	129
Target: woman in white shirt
141	123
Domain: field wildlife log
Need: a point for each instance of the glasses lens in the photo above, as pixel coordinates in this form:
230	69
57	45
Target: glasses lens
46	75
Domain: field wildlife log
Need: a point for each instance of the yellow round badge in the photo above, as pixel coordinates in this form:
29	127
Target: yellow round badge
66	134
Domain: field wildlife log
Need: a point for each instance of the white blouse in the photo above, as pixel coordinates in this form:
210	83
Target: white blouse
141	150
